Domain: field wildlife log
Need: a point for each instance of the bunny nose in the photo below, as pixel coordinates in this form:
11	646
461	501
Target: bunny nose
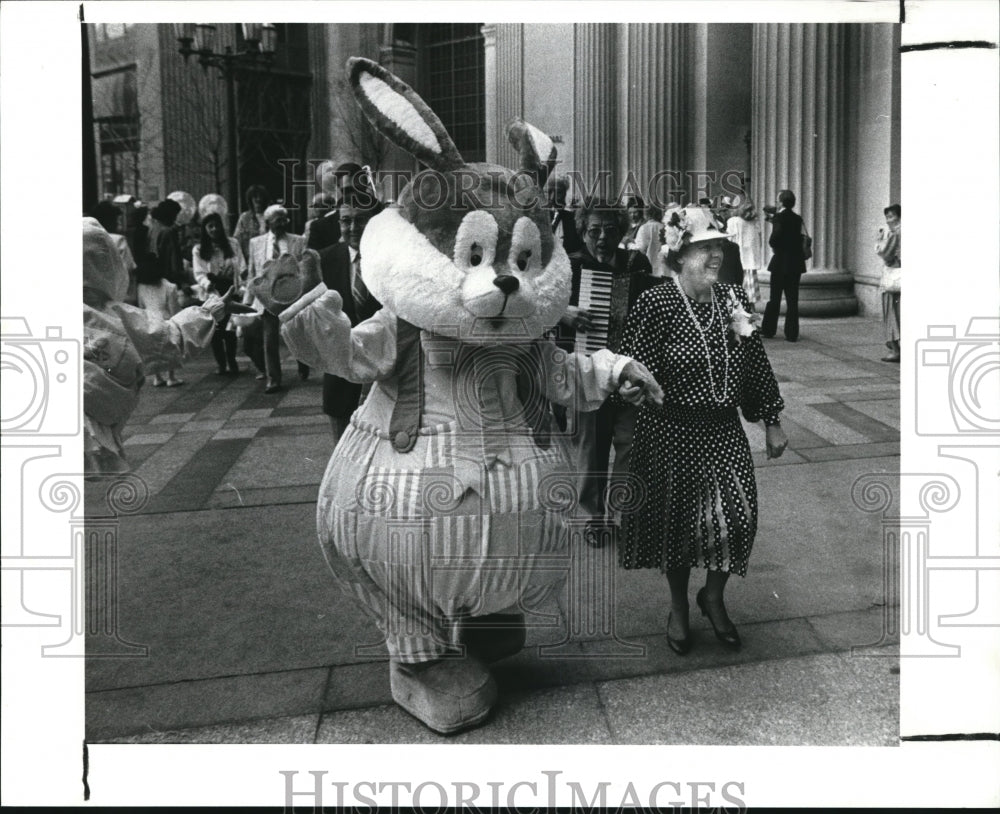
507	283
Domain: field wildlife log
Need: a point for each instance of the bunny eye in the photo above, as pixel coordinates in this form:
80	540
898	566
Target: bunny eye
526	246
475	240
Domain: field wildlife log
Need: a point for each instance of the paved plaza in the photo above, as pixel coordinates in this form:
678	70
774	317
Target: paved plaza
220	577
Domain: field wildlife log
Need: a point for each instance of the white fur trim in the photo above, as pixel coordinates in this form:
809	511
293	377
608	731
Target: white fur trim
399	110
407	274
619	366
411	278
541	142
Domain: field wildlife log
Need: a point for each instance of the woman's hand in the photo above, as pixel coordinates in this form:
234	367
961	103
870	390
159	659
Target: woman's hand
775	440
637	384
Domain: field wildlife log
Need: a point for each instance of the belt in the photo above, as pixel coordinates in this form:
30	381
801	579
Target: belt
700	415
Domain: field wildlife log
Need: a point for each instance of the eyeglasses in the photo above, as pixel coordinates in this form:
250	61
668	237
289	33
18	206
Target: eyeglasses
348	221
607	229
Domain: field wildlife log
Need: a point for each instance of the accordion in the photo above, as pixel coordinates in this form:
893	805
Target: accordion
595	298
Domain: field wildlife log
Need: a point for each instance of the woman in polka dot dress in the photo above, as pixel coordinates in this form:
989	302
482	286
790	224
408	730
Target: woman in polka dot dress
699	339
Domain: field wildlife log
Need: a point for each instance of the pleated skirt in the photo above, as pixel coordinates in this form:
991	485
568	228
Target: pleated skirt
700	506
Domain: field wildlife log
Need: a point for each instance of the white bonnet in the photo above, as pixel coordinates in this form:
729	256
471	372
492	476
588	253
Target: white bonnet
103	269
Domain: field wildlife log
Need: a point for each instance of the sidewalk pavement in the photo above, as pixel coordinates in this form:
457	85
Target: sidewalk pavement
248	640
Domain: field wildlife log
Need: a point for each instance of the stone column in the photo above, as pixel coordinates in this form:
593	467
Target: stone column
490	88
400	58
508	71
319	140
595	117
656	64
874	151
800	142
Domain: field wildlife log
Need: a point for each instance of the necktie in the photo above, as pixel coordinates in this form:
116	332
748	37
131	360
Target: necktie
276	252
359	291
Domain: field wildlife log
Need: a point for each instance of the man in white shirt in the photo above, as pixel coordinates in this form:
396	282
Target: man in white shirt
262	337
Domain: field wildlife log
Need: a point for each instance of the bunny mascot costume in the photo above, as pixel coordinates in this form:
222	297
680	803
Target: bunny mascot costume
442	508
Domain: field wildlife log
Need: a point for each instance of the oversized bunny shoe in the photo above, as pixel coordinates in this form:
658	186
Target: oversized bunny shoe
448	696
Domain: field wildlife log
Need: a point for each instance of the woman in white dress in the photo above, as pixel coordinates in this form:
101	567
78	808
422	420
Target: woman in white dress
218	267
745	231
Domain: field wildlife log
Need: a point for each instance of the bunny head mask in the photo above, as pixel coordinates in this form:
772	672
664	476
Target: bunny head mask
467	251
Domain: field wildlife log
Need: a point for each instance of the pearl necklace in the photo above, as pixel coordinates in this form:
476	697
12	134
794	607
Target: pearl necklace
702	332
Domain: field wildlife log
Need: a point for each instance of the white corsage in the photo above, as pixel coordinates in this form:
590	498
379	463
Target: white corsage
676	227
742	323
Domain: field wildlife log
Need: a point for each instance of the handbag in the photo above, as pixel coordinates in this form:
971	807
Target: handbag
891	278
807	243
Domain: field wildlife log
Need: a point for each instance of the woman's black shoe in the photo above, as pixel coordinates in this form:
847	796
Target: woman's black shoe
730	638
679	646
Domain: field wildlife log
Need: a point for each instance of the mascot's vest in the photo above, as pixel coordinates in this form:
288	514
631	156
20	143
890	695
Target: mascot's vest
407	412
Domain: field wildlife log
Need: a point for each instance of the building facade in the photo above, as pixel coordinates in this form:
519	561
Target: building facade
161	123
679	111
668	111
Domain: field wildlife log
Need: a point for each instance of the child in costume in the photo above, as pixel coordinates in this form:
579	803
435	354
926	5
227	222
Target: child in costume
122	344
442	509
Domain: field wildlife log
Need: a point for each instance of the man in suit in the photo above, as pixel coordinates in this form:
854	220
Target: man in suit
601	227
264	334
340	265
562	216
787	266
324	228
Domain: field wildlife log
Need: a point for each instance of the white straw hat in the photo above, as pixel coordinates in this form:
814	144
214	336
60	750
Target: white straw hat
692	224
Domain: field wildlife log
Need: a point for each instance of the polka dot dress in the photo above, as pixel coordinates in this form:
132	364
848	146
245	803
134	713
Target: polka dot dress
692	455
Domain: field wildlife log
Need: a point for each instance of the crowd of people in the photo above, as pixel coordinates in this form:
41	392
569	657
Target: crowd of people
681	297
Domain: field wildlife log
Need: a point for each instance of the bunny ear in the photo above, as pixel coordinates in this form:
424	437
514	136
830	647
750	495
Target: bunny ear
400	115
538	153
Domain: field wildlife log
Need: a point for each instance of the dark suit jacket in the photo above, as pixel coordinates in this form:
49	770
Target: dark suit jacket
570	239
731	272
341	397
786	241
335	266
324	231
